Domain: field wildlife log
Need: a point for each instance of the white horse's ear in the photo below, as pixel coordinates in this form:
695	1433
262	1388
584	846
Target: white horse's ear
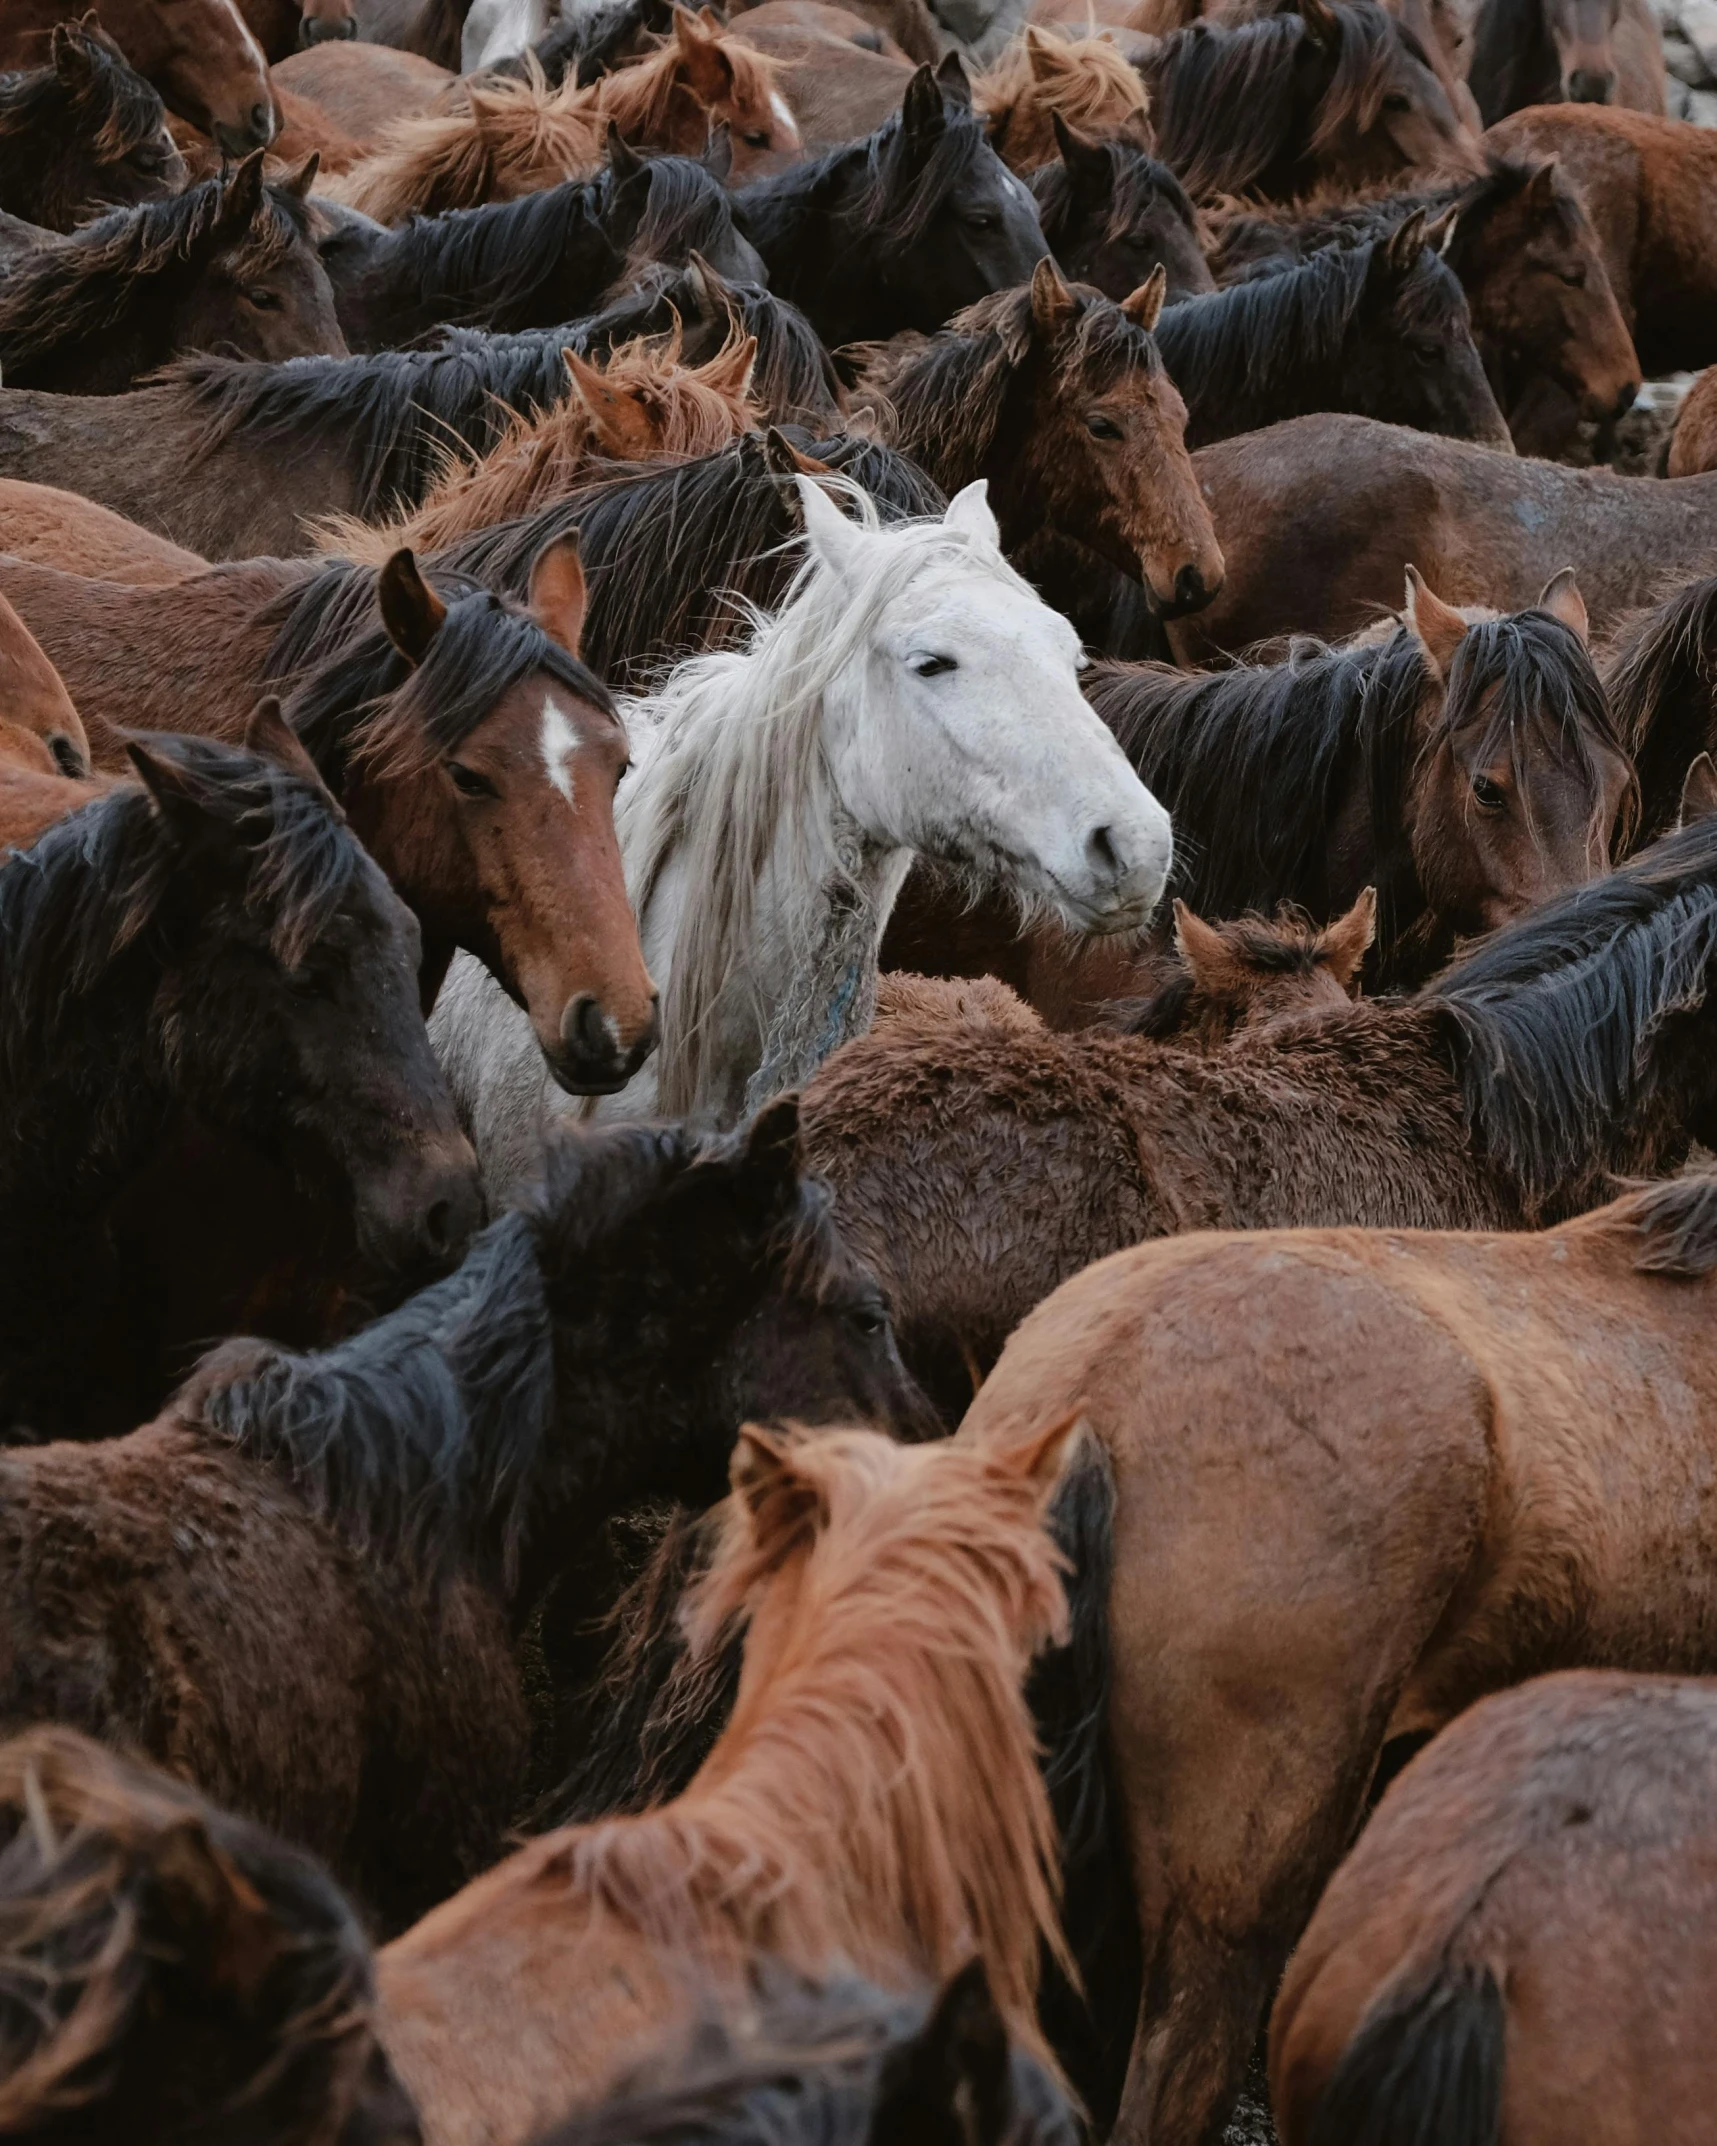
832	538
970	510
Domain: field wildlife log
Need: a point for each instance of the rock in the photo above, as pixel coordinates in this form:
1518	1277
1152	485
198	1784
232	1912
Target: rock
1668	12
1702	107
1699	28
1684	63
1677	98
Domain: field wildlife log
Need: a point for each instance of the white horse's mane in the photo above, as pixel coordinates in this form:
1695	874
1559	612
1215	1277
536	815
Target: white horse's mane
738	755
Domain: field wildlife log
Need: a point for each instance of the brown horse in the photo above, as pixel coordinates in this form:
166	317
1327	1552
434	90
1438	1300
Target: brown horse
1693	443
476	756
363	89
978	1165
198	53
1453	1461
66	530
836	90
1321	516
82	133
40	730
229	265
1538	52
282	27
509	137
1059	398
1084	80
893	1597
1519	1948
642	406
173	1972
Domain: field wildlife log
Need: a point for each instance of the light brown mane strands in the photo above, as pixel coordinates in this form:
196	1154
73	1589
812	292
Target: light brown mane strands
1086	81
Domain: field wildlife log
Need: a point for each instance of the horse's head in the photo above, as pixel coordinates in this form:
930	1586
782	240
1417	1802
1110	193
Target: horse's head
735	86
1519	781
1380	108
110	139
668	208
288	1011
325	21
214	73
263	291
1112	214
1248	974
1583	33
1409	356
954	724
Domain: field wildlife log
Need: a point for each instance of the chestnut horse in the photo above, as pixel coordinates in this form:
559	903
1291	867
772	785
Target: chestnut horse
476	755
894	1597
1059	398
216	943
66	530
977	1165
40	730
1455	1461
82	133
198	53
171	1971
1519	1948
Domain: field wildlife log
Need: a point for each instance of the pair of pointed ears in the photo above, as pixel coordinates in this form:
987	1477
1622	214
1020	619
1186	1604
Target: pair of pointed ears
1439	628
837	543
703	61
183	798
930	96
413	614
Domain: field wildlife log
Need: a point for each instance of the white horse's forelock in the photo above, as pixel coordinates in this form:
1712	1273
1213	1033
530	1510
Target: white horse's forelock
738	759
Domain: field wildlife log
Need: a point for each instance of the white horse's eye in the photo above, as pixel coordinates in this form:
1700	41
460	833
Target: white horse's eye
932	666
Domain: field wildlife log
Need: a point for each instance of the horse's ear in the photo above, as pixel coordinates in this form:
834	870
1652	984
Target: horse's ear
1540	190
72	59
243	195
956	83
1319	19
271	737
1437	627
772	1141
1041	55
1040	1457
183	803
832	538
715	293
623	160
923	118
304	178
1208	957
1053	305
1403	246
707	69
729	371
969	511
1562	599
1440	231
1343	945
718	152
783	1505
952	2077
412	613
1698	791
559	593
1087	161
1144	307
622	426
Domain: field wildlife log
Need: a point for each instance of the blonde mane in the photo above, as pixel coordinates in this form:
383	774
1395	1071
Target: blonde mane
642	405
511	137
1085	80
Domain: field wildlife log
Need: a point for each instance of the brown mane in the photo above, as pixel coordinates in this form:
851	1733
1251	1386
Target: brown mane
654	408
1671	1225
1085	81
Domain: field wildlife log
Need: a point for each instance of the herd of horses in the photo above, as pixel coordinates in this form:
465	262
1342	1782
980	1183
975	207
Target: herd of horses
858	1022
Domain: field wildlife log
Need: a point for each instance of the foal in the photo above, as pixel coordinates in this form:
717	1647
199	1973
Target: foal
894	1596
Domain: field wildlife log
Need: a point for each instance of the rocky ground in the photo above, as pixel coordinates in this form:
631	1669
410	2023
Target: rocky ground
1690	54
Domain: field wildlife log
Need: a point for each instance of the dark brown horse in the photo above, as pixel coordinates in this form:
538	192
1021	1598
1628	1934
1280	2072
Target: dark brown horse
387	1515
1453	1461
229	265
173	1972
476	755
1519	1948
213	947
1341	93
1660	673
82	133
977	1165
1112	213
1060	399
198	53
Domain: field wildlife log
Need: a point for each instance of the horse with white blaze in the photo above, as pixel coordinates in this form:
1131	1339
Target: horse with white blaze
912	694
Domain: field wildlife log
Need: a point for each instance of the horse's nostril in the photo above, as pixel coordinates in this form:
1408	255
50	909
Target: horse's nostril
262	121
1587	86
586	1030
1189	588
438	1228
1100	848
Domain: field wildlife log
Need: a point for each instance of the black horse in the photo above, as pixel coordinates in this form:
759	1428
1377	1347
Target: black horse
213	946
901	229
1112	213
81	134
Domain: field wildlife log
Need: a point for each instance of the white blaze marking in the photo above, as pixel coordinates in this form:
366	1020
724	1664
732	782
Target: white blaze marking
778	105
560	742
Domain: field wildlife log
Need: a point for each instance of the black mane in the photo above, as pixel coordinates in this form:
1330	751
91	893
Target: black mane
50	125
1661	678
1135	179
349	691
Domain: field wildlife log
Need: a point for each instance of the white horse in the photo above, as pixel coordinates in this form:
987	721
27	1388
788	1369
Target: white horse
911	694
497	30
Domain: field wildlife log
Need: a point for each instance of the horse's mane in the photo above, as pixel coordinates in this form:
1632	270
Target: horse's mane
111	106
923	1581
92	282
1556	1016
124	1898
1224	96
1135	176
946	393
543	453
817	2068
417	1439
1661	678
735	760
1087	80
1669	1227
97	883
673	555
349	692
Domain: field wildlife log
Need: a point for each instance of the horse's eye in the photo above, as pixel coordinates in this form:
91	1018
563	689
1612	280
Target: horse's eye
756	138
468	782
981	222
1428	353
869	1320
1397	100
1491	796
67	758
1575	278
933	666
260	296
1102	428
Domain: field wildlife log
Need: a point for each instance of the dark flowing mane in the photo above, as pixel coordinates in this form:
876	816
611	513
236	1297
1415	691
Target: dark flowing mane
1670	1225
1135	177
948	393
93	282
1661	678
1224	98
97	884
417	1439
1555	1018
350	693
111	107
667	551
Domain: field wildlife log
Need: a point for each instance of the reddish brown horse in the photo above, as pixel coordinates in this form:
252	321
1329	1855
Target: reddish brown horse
894	1597
1520	1947
476	755
199	54
40	730
66	530
1359	1481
